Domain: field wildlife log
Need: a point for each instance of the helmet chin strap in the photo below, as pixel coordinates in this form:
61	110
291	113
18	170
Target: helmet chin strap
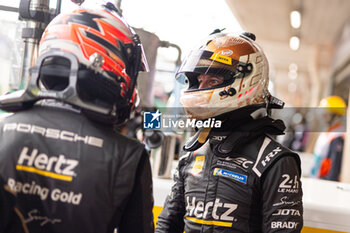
267	107
272	102
244	133
198	140
202	135
138	54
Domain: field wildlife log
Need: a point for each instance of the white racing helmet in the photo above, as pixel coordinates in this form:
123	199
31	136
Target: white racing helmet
245	71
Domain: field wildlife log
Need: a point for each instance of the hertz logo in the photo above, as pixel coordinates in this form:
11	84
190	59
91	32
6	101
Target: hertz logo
59	168
221	58
208	213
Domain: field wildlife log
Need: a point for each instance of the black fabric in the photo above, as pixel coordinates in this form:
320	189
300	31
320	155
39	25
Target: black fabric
250	130
237	132
171	219
11	220
254	188
248	124
72	174
286	208
139	203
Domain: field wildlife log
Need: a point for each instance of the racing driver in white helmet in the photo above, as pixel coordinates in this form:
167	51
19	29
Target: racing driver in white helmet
235	178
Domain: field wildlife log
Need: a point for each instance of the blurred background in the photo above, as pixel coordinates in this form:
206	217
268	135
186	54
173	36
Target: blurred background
313	66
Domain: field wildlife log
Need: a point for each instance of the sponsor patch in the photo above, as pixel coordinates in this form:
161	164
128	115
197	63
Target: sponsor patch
232	175
239	162
287	212
272	154
289	184
44	193
58	134
216	213
221	58
55	167
226	52
284	225
198	165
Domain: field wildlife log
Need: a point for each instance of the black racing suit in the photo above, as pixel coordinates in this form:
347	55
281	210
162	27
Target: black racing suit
11	220
254	188
74	175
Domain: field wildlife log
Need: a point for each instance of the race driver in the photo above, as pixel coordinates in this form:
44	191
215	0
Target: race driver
59	153
234	178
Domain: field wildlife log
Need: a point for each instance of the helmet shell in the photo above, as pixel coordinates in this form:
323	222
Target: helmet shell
240	61
104	44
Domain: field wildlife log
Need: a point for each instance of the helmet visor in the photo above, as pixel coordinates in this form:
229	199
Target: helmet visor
207	62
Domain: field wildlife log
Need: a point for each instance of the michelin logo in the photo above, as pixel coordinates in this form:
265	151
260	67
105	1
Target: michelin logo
152	120
232	175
